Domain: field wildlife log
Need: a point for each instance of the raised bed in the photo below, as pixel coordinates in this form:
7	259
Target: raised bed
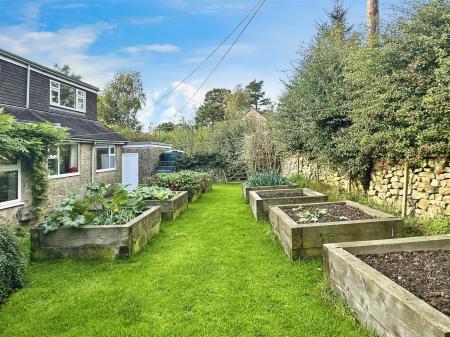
194	195
307	239
206	185
246	189
380	303
262	200
171	208
97	242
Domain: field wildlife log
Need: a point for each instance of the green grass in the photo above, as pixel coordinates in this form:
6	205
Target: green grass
212	272
413	226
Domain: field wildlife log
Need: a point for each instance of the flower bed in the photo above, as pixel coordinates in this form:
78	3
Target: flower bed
265	181
261	201
105	221
378	301
105	242
171	208
303	229
195	183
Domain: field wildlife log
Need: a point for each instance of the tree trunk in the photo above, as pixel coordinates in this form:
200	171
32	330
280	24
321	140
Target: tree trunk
373	17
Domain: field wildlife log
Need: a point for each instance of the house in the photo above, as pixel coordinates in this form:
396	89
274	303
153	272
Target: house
33	93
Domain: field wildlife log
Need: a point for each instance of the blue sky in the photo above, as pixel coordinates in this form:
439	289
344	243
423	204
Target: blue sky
165	40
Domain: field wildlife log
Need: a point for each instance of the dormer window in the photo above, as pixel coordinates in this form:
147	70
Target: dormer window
66	96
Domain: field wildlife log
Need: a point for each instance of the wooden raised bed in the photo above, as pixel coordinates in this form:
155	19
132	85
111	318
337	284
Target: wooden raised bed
207	185
96	241
380	303
246	189
262	200
193	196
171	208
307	239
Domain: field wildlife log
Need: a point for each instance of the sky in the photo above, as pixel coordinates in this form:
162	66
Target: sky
166	39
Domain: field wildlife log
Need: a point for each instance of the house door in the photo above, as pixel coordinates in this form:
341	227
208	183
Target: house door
130	170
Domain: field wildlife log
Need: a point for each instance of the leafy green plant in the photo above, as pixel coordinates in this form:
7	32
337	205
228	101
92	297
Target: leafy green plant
179	181
13	265
269	178
99	205
309	214
153	193
30	141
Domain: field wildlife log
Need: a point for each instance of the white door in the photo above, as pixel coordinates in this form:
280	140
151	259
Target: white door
130	170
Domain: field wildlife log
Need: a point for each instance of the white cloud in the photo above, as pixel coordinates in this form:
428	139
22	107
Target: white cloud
160	48
147	20
64	46
169	104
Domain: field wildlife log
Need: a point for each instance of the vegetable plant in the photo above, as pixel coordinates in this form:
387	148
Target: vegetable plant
269	178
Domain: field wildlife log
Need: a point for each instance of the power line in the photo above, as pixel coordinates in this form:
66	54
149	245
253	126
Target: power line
167	94
261	3
255	11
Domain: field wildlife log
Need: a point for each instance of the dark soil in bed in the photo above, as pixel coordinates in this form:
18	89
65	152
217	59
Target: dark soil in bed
335	212
425	274
283	194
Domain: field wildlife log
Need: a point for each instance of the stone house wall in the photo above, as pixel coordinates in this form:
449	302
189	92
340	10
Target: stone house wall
429	185
59	188
148	158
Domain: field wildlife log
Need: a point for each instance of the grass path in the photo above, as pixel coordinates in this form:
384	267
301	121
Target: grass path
212	272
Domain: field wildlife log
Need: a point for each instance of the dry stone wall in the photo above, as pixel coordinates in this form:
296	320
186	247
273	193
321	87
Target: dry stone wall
429	185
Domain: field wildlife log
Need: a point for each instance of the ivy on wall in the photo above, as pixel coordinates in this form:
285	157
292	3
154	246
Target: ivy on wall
30	141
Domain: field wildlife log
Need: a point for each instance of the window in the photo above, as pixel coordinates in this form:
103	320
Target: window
106	157
64	160
10	182
66	96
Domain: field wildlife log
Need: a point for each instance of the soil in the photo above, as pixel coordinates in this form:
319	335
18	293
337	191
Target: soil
335	212
282	194
426	274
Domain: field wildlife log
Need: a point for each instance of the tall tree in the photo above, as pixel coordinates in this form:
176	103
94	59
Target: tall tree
121	100
258	101
373	17
67	70
213	108
238	103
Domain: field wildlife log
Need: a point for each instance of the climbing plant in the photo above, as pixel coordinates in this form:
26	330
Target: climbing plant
30	141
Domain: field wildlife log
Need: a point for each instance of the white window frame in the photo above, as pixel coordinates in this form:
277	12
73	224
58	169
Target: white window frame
109	157
79	94
13	167
64	175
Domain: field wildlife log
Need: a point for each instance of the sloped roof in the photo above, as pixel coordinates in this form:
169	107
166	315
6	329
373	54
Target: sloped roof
80	128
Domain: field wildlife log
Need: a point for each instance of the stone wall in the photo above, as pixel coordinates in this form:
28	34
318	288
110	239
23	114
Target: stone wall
60	187
148	158
428	193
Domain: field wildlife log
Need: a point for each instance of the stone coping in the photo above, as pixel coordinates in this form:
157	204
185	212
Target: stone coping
246	189
105	242
301	240
380	303
260	204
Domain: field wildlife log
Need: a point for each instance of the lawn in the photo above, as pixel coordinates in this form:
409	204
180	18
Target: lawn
212	272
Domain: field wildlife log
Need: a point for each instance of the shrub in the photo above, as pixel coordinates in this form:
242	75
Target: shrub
179	181
13	264
269	178
152	193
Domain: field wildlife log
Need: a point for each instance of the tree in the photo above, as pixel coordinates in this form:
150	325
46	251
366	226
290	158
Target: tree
121	100
67	70
213	108
315	102
238	103
258	101
165	127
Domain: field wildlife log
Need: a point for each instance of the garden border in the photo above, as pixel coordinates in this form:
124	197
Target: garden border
379	302
260	205
171	208
246	189
106	242
301	240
